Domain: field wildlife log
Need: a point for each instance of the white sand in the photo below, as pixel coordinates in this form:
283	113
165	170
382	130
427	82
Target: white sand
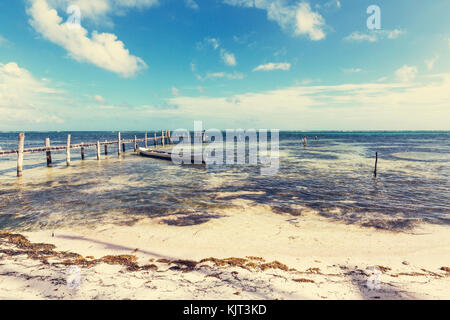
336	256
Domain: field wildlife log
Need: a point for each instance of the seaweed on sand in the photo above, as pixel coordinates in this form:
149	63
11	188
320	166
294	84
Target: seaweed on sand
246	264
43	252
303	280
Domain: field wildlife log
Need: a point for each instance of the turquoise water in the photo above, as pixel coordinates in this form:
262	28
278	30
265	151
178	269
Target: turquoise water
332	175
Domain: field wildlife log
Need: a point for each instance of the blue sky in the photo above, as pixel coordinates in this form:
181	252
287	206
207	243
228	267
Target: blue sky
149	64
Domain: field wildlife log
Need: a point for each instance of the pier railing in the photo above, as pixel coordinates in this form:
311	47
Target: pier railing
164	138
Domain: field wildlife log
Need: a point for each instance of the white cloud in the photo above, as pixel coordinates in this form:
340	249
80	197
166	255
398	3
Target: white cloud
383	106
273	66
430	62
24	99
213	42
298	19
228	58
3	41
358	36
310	23
330	4
374	36
221	75
99	99
101	49
394	34
191	4
98	11
406	73
352	70
175	91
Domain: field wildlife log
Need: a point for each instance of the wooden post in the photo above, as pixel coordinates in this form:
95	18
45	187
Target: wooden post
82	151
68	150
146	140
123	147
98	150
20	154
135	144
49	153
106	148
162	137
156	140
204	136
376	161
118	143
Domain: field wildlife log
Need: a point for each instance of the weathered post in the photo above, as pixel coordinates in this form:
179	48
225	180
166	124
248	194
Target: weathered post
146	140
135	144
106	147
82	151
123	147
49	153
68	150
376	161
169	135
98	150
118	143
162	137
156	140
20	154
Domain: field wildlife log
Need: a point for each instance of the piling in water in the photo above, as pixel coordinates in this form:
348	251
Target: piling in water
118	143
146	140
82	152
68	151
98	150
49	153
20	154
376	162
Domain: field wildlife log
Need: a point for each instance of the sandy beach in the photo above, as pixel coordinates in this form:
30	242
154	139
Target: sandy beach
248	253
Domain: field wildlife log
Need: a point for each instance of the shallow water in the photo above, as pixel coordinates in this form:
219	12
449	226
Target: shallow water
332	175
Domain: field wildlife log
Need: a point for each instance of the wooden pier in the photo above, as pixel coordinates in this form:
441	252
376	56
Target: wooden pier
165	138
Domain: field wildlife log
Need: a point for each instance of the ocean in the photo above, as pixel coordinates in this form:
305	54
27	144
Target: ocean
332	176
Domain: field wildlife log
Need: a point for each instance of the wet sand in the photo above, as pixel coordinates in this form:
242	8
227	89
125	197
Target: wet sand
275	256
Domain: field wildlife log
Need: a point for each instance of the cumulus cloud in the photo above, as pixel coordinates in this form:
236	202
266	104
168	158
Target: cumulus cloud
299	19
374	36
352	70
191	4
430	62
213	42
99	99
25	99
228	58
3	41
175	91
100	10
273	66
221	75
395	106
101	49
406	73
309	22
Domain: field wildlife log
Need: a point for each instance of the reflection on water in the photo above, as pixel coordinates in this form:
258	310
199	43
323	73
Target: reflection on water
332	176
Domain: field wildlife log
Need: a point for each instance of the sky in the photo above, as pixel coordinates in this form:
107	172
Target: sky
283	64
